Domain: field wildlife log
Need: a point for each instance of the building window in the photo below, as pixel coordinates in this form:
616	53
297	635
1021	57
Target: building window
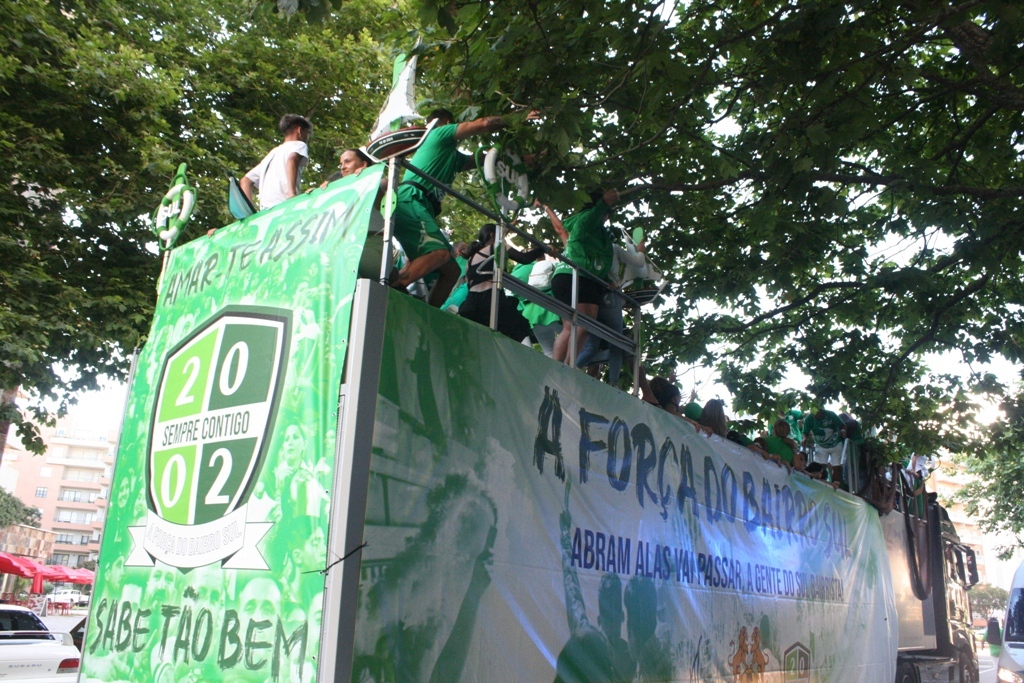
77	496
46	472
72	539
79	474
83	454
61	558
41	492
75	516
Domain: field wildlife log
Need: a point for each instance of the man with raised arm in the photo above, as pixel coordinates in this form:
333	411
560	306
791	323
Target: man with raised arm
419	202
278	175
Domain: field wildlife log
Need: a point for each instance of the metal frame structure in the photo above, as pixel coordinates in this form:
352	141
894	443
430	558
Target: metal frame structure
516	286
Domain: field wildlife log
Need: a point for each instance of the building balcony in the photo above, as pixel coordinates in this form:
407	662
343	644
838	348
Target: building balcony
97	464
76	505
70	547
77	527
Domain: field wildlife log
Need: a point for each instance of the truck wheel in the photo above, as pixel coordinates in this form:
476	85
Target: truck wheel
907	673
967	667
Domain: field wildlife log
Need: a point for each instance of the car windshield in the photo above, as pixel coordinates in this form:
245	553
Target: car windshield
16	620
1015	617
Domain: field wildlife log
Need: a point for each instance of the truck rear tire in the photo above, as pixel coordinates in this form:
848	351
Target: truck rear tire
906	672
967	667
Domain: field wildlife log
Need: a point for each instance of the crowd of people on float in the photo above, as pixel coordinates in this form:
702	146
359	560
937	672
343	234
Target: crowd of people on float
460	279
815	443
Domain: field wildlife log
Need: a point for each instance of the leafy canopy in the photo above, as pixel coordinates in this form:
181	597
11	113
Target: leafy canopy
13	511
986	599
832	186
99	102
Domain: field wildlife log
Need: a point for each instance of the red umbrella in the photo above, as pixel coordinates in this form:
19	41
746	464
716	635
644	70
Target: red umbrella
81	575
55	572
19	566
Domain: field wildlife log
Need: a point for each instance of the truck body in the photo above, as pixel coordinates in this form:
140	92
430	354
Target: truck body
932	572
322	479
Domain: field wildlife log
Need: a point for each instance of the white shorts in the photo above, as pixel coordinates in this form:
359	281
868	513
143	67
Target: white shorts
830	456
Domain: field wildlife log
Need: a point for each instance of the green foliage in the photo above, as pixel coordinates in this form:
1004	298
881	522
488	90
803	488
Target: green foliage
998	474
986	599
13	511
830	186
99	102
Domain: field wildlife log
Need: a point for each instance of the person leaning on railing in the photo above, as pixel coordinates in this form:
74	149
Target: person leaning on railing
353	162
609	313
480	278
590	245
419	202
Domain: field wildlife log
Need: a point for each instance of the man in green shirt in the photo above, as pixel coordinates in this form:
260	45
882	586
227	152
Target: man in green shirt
827	432
419	202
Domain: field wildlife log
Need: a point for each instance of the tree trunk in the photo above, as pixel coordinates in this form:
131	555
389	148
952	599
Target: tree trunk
8	396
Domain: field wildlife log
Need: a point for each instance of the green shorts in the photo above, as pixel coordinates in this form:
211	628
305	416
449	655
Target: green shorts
415	227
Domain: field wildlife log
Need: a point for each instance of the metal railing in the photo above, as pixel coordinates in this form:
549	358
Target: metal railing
501	279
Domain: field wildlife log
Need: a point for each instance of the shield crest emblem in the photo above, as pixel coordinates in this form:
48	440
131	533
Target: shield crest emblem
215	409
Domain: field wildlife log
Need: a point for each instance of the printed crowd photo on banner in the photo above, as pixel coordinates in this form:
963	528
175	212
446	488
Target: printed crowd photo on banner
529	524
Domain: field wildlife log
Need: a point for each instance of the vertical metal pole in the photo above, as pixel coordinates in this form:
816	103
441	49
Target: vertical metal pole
637	322
575	316
498	264
389	217
163	269
357	406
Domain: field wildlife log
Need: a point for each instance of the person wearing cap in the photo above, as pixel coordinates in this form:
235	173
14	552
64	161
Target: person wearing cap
279	174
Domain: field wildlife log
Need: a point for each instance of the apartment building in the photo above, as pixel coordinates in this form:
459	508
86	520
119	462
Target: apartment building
70	484
946	481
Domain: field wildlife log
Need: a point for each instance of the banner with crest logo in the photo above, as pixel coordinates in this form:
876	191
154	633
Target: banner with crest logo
218	516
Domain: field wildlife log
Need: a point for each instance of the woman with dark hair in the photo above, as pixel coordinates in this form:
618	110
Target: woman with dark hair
662	392
480	278
353	161
713	416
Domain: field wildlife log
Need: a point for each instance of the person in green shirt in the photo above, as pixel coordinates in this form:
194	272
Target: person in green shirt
419	201
589	245
827	433
778	442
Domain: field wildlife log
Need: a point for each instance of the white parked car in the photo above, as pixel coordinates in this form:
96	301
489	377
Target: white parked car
69	596
30	652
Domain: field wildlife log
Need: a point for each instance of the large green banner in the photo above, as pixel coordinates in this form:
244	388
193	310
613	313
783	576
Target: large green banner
211	556
526	523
